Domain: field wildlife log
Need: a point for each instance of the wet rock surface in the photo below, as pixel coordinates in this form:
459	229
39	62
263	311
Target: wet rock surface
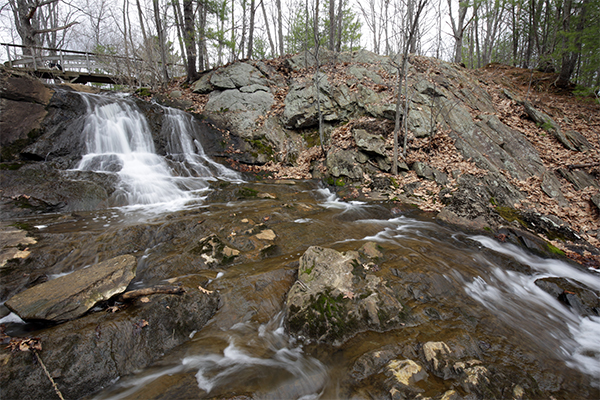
575	295
415	331
93	351
337	295
71	296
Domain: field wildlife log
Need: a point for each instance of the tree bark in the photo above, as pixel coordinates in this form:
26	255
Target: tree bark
189	40
280	27
161	41
179	24
141	17
251	30
571	51
458	28
271	44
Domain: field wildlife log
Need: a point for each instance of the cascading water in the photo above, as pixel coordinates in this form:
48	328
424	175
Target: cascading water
119	140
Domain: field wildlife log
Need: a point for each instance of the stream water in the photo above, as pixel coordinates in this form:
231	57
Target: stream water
470	291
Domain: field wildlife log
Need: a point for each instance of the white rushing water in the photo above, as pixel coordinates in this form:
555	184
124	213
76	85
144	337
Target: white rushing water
260	353
119	140
515	298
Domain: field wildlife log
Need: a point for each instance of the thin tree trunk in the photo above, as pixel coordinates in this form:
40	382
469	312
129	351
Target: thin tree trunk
233	46
179	23
141	17
280	27
340	21
243	40
251	30
332	25
161	41
271	45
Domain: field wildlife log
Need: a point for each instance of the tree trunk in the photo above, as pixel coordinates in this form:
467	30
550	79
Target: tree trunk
402	74
243	40
271	44
189	39
331	38
141	17
179	24
202	52
280	27
251	30
572	50
458	28
161	41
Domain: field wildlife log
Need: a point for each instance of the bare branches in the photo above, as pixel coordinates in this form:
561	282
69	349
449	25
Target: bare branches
56	29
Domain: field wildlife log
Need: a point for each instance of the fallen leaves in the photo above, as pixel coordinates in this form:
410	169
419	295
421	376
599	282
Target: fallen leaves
204	290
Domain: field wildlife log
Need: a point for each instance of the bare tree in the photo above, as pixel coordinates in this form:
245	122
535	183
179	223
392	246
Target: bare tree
161	41
27	23
271	44
251	30
280	27
459	26
402	67
180	27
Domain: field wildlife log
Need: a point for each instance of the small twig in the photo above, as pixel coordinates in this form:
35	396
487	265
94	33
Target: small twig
37	356
529	87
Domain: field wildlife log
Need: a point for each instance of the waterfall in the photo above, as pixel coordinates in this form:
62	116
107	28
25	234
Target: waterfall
118	140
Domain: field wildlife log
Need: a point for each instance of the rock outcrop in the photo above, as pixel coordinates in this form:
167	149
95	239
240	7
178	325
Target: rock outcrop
337	296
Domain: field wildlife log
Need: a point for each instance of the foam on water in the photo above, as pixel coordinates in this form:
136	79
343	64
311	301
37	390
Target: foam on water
332	201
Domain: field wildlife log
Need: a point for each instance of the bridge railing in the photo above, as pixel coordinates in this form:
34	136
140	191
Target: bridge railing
44	58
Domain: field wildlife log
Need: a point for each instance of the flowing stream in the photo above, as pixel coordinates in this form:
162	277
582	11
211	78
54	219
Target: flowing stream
469	291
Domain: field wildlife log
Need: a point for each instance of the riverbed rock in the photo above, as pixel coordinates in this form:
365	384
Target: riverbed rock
13	243
72	295
40	188
337	295
575	295
92	352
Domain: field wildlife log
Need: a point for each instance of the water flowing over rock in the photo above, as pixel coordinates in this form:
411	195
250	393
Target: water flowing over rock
70	296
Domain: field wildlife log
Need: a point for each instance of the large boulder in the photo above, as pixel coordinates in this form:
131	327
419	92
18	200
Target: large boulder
23	102
338	295
240	108
39	188
72	295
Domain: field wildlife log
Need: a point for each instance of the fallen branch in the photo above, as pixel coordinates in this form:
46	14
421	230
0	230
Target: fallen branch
586	165
134	294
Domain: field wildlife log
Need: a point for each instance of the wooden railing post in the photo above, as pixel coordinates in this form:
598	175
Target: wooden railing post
34	60
8	54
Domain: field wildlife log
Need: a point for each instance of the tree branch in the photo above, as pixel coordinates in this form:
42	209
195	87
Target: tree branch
59	28
133	294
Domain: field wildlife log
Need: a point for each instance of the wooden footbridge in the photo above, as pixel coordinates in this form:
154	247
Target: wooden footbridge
79	66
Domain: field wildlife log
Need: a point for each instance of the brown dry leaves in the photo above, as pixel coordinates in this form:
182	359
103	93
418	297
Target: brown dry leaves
571	114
